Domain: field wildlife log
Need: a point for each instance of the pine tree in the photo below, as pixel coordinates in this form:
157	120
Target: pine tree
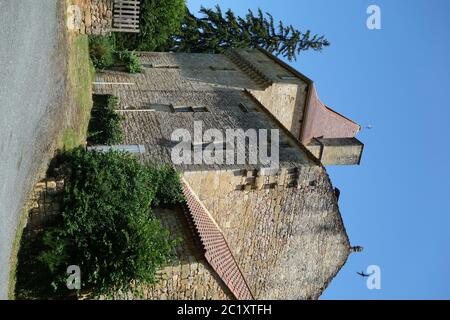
215	32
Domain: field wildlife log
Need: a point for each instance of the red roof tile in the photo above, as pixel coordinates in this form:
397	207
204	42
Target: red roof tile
217	252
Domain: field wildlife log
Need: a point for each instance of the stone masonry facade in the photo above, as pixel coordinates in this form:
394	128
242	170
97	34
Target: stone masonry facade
45	204
286	238
283	227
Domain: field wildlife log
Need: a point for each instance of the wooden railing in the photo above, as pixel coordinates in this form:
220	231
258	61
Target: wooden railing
126	16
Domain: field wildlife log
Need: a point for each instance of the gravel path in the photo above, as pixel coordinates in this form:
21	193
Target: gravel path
31	87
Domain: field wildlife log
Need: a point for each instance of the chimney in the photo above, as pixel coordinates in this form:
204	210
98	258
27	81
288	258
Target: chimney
337	151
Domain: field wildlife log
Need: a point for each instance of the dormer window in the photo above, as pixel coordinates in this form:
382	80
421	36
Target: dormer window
218	145
221	68
287	77
199	109
160	66
243	107
181	108
156	107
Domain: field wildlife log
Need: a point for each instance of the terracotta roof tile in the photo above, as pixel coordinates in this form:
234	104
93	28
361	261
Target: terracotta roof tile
217	252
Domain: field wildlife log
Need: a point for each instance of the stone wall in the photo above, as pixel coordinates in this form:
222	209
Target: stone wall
291	97
284	229
45	204
96	16
188	80
285	96
288	239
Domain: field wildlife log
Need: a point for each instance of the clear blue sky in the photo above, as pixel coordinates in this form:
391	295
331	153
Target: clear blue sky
396	204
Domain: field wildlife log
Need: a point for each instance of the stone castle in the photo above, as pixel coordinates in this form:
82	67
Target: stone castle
248	232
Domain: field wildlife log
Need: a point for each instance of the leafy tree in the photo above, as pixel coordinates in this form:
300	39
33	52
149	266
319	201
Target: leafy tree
159	20
107	227
215	32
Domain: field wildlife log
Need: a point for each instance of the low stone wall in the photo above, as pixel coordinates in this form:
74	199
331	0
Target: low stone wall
45	204
96	16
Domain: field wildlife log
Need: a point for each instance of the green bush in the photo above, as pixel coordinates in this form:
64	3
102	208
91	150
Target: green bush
159	20
168	190
101	51
105	124
107	227
131	60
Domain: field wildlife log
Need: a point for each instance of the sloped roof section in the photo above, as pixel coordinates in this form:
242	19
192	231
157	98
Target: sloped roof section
217	252
321	121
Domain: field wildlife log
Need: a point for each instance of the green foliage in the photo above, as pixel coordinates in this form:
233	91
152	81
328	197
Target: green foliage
131	60
107	227
34	278
158	21
101	51
215	32
168	187
103	54
105	124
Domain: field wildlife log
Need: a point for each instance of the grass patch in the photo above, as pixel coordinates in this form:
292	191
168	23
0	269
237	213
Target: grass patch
81	75
70	139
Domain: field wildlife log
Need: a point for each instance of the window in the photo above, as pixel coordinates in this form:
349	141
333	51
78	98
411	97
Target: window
218	145
160	66
199	109
197	145
240	173
134	148
221	68
157	107
243	107
182	109
284	144
177	108
287	77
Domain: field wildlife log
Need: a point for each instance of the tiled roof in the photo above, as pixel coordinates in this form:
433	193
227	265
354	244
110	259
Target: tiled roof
321	121
217	252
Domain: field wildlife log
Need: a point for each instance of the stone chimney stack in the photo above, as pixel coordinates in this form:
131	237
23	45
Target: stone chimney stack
337	151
